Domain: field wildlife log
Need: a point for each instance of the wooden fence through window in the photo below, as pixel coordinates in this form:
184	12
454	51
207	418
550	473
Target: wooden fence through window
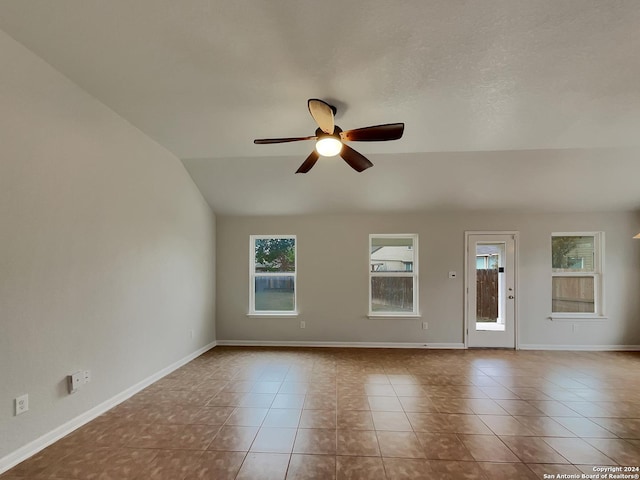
487	295
573	294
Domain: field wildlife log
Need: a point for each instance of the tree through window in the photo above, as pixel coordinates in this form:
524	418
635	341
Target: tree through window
576	270
273	274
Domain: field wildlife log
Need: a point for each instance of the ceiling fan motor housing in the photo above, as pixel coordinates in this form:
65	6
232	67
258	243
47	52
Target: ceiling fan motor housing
336	133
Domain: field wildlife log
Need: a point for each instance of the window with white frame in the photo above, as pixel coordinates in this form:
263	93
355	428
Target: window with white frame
273	272
576	270
393	275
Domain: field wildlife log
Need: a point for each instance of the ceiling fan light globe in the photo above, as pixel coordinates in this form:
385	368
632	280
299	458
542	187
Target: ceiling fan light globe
329	146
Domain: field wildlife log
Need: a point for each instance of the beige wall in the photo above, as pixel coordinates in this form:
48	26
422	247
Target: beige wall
107	251
332	278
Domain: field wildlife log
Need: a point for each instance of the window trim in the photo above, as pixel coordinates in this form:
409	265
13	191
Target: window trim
598	279
252	278
412	274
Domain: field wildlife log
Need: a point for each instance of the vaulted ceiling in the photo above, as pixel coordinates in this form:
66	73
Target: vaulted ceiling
509	104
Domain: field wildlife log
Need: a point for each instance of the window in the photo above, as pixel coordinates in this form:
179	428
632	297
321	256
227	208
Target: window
393	275
576	266
273	275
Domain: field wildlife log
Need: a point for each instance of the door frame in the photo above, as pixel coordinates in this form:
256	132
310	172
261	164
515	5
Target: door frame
516	281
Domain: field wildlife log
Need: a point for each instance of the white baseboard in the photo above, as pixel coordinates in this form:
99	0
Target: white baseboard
443	346
583	348
56	434
271	343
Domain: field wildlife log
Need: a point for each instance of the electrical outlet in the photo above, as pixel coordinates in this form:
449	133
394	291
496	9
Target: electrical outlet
74	381
22	404
192	333
453	274
87	376
425	325
303	324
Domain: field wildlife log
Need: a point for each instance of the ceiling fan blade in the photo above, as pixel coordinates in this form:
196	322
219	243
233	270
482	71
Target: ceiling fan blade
264	141
356	160
322	113
375	133
309	162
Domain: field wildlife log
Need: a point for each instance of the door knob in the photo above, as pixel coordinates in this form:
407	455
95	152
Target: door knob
511	297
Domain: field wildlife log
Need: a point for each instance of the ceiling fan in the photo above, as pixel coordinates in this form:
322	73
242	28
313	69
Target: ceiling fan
330	138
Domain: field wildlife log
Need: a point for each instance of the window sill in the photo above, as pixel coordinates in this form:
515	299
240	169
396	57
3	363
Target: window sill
576	317
394	315
272	315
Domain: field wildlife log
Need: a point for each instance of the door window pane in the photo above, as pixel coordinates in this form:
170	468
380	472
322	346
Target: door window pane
490	287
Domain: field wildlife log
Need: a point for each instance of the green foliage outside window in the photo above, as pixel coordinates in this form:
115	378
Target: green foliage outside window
560	249
275	255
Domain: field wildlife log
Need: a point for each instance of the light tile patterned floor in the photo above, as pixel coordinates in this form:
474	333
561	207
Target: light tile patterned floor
269	413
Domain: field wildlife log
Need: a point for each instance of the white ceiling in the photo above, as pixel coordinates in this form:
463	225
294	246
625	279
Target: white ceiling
517	105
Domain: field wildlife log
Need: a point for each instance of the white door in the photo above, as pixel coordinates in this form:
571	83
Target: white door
490	289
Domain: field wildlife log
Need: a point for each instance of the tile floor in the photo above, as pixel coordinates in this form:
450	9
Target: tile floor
268	413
